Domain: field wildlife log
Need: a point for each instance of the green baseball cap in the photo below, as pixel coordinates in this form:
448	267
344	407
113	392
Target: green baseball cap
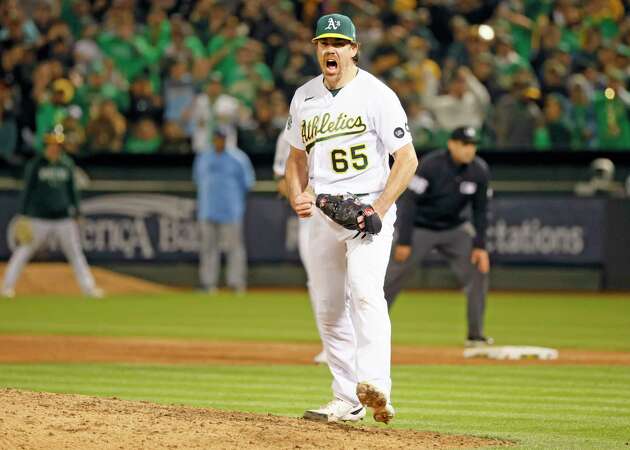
335	26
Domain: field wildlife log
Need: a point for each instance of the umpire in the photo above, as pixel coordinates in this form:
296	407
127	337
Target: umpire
433	214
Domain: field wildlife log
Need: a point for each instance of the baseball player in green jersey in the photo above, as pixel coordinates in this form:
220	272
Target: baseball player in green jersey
49	209
343	126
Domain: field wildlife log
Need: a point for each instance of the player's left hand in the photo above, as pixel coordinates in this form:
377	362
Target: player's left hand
481	259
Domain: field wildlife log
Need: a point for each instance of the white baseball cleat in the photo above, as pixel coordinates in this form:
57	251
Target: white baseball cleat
7	293
320	358
95	292
372	397
336	411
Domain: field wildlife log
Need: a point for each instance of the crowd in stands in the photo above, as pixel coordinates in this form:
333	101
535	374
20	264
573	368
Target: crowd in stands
140	76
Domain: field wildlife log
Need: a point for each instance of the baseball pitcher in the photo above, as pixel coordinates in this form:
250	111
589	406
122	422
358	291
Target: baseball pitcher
343	126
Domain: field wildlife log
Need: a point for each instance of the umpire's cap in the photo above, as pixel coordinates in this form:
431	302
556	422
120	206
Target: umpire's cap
467	135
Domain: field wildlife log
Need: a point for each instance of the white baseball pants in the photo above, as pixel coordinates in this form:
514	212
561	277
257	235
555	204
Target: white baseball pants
67	232
354	324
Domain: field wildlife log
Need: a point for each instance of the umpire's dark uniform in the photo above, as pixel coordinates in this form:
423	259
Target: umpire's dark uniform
433	214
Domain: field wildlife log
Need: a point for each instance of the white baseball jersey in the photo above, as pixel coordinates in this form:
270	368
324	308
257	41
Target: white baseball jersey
349	136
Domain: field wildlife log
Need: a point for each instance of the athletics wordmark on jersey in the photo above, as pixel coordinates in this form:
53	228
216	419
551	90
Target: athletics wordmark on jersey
323	127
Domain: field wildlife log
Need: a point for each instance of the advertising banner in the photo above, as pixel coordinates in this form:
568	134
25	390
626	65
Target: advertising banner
163	228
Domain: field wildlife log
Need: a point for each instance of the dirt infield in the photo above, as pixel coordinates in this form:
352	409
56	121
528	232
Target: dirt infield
57	278
34	349
30	420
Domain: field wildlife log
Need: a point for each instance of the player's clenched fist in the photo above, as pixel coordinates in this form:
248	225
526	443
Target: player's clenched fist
303	204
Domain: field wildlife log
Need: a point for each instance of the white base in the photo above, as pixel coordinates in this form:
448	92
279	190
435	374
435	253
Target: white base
512	352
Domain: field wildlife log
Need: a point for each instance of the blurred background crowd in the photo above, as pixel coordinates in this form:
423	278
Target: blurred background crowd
139	76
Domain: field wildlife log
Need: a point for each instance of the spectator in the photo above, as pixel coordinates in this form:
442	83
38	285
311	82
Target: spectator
223	46
106	128
250	75
581	113
223	176
55	107
86	52
456	54
260	134
253	15
554	132
294	65
483	68
43	17
391	52
421	125
611	113
145	137
183	44
154	40
78	15
145	103
465	104
506	60
119	46
179	94
98	88
267	44
224	110
74	134
554	78
424	72
207	18
516	115
57	44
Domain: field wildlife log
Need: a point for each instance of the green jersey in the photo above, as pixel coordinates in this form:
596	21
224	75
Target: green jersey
49	189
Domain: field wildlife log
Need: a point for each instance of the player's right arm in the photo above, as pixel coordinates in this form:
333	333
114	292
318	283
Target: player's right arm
296	172
301	200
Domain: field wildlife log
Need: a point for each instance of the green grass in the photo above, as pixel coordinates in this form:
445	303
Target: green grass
434	318
539	406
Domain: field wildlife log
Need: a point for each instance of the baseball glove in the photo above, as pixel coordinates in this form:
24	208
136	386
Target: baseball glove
23	231
346	210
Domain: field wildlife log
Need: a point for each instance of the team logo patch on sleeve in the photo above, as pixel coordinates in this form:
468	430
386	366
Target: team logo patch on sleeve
399	132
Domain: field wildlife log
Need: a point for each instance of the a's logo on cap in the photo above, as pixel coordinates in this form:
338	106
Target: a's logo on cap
333	24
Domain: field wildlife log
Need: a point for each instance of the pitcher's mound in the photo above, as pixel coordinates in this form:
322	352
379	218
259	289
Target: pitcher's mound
58	278
42	421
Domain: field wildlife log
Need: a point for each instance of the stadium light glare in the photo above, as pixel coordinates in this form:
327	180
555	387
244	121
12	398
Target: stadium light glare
486	32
